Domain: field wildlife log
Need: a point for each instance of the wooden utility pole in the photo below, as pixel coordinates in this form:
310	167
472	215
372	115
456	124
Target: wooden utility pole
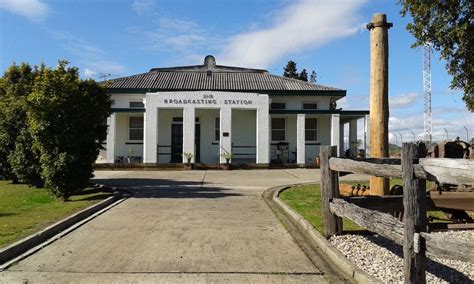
379	96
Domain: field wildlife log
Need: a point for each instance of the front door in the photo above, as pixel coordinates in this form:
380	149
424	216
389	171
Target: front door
197	143
177	143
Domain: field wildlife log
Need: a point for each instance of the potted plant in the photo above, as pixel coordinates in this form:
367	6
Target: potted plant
227	156
188	165
131	154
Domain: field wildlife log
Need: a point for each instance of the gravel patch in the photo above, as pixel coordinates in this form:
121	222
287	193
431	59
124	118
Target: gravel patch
383	258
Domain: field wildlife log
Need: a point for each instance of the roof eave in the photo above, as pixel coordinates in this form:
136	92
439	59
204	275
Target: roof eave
331	93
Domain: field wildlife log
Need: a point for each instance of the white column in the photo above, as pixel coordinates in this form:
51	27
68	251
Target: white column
300	140
189	124
150	142
342	145
225	140
353	136
263	135
366	133
335	129
111	127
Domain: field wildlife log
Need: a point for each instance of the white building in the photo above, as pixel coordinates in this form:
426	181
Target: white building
209	110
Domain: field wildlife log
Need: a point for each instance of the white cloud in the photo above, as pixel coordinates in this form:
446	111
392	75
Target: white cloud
306	24
184	39
34	10
142	6
453	121
88	73
93	59
403	100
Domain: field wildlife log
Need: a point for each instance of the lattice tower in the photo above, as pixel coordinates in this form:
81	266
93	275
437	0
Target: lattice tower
427	92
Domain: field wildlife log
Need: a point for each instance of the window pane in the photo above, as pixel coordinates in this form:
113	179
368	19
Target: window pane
278	135
217	123
136	134
310	106
177	119
278	123
137	105
277	105
311	123
216	134
136	122
311	135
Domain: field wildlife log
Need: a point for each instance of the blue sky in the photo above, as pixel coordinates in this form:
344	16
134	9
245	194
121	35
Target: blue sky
122	38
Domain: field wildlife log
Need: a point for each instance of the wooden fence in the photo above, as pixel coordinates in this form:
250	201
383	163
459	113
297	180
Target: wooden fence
368	211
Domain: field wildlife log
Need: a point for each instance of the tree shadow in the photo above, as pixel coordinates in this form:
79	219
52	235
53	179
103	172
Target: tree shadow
438	269
93	197
166	188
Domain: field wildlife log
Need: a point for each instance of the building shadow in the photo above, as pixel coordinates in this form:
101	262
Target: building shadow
166	188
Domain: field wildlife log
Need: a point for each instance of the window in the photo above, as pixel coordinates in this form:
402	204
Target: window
310	106
311	129
278	129
135	129
278	106
217	127
137	105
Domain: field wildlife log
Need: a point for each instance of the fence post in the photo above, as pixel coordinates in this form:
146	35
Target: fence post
329	190
414	216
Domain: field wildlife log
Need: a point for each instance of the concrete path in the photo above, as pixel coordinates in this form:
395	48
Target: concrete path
180	226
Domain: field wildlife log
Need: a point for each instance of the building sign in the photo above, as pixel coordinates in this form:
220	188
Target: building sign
206	100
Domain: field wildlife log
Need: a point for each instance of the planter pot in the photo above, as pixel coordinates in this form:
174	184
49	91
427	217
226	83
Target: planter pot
188	166
226	167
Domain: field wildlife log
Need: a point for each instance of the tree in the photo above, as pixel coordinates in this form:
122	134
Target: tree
66	118
448	27
290	70
303	76
313	77
15	141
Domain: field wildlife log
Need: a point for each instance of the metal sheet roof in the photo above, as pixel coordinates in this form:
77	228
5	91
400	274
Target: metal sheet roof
210	76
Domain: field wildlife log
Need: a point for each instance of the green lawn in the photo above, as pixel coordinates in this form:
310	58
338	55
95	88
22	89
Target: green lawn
306	200
25	210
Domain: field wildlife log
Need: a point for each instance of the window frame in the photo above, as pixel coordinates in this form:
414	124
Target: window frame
142	105
135	128
315	130
306	103
278	129
277	102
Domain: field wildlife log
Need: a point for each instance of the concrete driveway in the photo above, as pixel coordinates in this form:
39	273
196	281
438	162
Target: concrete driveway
180	226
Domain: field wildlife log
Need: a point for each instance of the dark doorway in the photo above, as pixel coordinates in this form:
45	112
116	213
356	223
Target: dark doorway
197	143
177	143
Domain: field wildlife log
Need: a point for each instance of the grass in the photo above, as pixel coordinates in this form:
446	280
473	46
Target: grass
306	200
25	210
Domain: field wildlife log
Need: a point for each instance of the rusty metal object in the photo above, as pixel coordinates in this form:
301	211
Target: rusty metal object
353	190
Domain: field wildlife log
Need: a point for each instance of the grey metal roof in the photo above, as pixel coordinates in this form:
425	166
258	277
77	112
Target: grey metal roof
210	76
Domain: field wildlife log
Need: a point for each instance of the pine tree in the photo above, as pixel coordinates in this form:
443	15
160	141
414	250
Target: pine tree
290	70
303	76
313	77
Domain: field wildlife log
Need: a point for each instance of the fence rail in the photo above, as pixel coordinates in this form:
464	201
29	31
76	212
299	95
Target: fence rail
368	211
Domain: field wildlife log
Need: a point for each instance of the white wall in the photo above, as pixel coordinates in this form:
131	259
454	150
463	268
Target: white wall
123	100
243	127
295	102
121	136
209	146
244	133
